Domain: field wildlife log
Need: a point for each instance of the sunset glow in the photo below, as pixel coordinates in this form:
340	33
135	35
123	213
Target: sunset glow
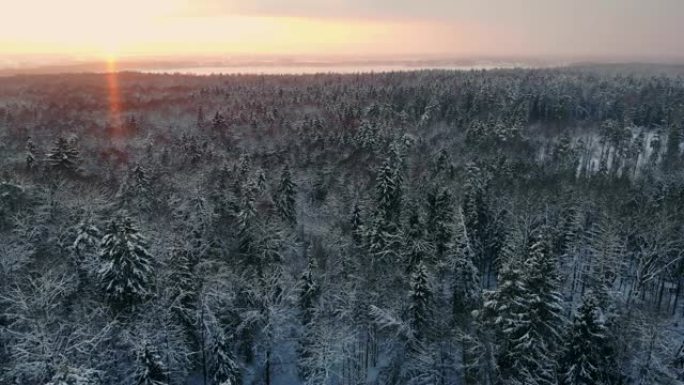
113	93
98	29
93	29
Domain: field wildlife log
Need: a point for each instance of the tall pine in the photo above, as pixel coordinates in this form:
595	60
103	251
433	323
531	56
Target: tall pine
126	272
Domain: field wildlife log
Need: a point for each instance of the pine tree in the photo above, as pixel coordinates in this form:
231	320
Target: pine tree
527	314
126	272
30	154
545	301
151	369
583	362
218	123
186	284
224	369
308	293
415	245
87	238
357	225
466	281
480	221
383	235
420	302
63	157
200	117
440	220
504	311
285	198
671	157
308	297
388	192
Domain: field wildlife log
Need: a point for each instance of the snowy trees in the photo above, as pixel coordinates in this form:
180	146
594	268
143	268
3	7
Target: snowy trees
67	375
30	154
286	196
224	370
526	313
382	234
431	261
584	359
308	297
479	220
151	370
127	267
420	302
63	157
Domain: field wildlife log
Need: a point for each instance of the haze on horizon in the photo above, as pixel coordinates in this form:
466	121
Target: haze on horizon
94	29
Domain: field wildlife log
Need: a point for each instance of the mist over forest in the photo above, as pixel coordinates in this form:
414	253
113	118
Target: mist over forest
431	227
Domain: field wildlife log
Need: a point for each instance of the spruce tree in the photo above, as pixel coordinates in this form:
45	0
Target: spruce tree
505	311
466	281
545	301
286	197
357	225
308	297
218	123
151	369
224	369
383	235
30	154
186	284
420	302
63	157
126	272
440	220
584	360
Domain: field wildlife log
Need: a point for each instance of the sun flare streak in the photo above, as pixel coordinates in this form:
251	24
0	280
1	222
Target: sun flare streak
113	94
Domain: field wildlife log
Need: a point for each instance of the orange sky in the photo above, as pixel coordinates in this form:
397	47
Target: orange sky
95	29
100	29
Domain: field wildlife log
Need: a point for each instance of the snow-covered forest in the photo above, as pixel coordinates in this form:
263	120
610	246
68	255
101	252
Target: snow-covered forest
521	226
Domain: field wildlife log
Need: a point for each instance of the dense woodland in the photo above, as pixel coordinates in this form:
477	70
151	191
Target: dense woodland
520	226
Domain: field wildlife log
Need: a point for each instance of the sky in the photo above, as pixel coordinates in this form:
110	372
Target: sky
98	29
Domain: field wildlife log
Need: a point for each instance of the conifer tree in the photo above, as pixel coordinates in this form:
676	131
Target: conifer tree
308	297
505	311
63	157
218	123
224	369
440	218
584	362
151	369
285	198
88	236
415	245
545	301
357	225
30	154
383	234
527	317
126	272
420	302
186	284
466	281
480	222
388	192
